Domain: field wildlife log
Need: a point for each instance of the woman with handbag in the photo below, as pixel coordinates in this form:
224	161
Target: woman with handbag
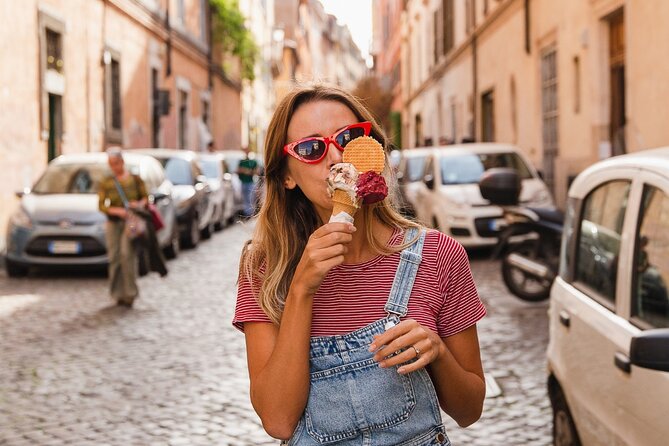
119	195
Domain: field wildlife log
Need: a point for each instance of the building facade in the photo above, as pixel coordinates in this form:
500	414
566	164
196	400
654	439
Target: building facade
309	45
82	75
569	82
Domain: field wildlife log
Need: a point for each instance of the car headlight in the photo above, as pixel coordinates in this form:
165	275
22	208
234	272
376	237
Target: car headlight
21	219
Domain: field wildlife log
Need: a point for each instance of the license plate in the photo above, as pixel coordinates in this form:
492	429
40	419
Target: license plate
496	224
64	247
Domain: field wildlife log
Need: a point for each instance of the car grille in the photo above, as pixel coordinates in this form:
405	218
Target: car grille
90	247
483	227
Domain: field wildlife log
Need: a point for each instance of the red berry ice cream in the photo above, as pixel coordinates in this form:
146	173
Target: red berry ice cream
371	187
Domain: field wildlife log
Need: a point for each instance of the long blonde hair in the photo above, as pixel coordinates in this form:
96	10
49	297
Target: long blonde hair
287	218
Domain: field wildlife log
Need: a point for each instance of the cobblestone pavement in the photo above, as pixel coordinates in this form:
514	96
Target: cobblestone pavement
76	370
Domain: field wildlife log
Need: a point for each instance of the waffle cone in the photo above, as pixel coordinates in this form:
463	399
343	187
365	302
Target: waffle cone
365	153
341	202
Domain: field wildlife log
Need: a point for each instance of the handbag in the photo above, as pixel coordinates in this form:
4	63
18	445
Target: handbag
156	218
135	226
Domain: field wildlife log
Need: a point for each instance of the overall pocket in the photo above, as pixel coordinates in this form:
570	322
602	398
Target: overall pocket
347	399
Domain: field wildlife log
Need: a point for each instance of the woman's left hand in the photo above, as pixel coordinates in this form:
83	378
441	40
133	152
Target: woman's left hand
418	342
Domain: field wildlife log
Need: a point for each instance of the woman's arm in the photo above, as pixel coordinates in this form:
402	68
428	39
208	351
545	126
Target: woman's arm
457	375
278	357
454	364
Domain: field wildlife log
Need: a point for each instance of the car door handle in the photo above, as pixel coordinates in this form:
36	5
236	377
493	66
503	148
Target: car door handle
565	319
622	361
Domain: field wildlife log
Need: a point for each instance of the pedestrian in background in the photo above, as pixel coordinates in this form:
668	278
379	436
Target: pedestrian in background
115	191
355	333
247	170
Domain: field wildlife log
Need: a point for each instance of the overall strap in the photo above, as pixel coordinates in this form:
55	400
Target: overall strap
410	258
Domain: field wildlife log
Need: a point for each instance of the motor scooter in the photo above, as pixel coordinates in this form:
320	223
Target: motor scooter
529	238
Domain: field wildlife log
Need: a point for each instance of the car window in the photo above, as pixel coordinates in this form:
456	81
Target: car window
650	301
211	168
415	168
71	178
599	239
468	168
177	170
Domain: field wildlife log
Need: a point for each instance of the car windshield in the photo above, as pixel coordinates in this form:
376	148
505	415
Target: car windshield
74	178
211	168
177	171
467	169
233	161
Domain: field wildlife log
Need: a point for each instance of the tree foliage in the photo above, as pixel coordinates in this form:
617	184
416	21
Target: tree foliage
231	33
377	100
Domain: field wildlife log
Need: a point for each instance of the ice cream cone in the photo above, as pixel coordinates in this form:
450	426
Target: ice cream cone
341	202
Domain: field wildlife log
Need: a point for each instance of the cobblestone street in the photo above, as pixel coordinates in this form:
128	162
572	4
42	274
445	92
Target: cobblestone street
77	370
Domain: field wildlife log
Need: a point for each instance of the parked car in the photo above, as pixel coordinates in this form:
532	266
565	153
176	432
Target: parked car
195	208
410	175
232	159
58	222
608	359
219	178
449	198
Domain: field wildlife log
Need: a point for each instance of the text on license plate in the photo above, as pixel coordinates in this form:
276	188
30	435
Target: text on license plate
64	247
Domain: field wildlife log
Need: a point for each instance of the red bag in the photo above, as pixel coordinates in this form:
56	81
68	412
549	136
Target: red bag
156	218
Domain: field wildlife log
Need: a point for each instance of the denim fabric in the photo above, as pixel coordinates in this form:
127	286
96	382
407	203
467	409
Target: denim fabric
354	402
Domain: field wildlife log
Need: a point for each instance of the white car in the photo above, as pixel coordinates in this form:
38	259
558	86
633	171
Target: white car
608	353
447	196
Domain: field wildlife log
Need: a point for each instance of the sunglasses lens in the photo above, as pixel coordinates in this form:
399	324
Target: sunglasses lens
310	150
349	135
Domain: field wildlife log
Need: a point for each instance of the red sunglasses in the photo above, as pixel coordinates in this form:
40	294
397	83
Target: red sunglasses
314	148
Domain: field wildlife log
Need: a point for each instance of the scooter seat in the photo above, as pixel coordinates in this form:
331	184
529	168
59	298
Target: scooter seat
552	215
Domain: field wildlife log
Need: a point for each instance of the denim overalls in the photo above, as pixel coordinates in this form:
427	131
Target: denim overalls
354	402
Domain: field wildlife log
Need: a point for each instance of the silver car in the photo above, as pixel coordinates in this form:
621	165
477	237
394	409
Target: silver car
215	168
58	222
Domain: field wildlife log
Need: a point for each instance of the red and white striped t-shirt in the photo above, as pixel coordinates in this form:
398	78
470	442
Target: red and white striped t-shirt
443	299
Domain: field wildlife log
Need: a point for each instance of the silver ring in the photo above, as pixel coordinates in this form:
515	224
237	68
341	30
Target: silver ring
416	350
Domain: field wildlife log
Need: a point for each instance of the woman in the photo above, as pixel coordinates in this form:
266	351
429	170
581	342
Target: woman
340	350
118	195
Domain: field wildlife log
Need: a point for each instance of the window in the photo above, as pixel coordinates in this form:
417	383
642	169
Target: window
447	28
488	116
415	168
599	240
54	51
650	301
115	95
183	120
549	107
577	85
181	12
113	105
437	34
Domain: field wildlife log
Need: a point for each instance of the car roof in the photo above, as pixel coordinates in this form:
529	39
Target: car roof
168	153
98	158
652	160
477	148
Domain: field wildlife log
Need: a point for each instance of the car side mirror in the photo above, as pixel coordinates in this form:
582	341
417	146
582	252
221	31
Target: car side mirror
159	196
429	181
200	179
650	349
400	177
227	176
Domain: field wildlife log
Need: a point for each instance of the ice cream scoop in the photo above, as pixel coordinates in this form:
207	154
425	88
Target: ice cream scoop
365	154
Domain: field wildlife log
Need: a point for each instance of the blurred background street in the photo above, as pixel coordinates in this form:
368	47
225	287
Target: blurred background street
78	370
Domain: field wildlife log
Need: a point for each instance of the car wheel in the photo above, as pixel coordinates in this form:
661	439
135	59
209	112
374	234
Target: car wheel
172	250
193	234
564	429
207	231
15	269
